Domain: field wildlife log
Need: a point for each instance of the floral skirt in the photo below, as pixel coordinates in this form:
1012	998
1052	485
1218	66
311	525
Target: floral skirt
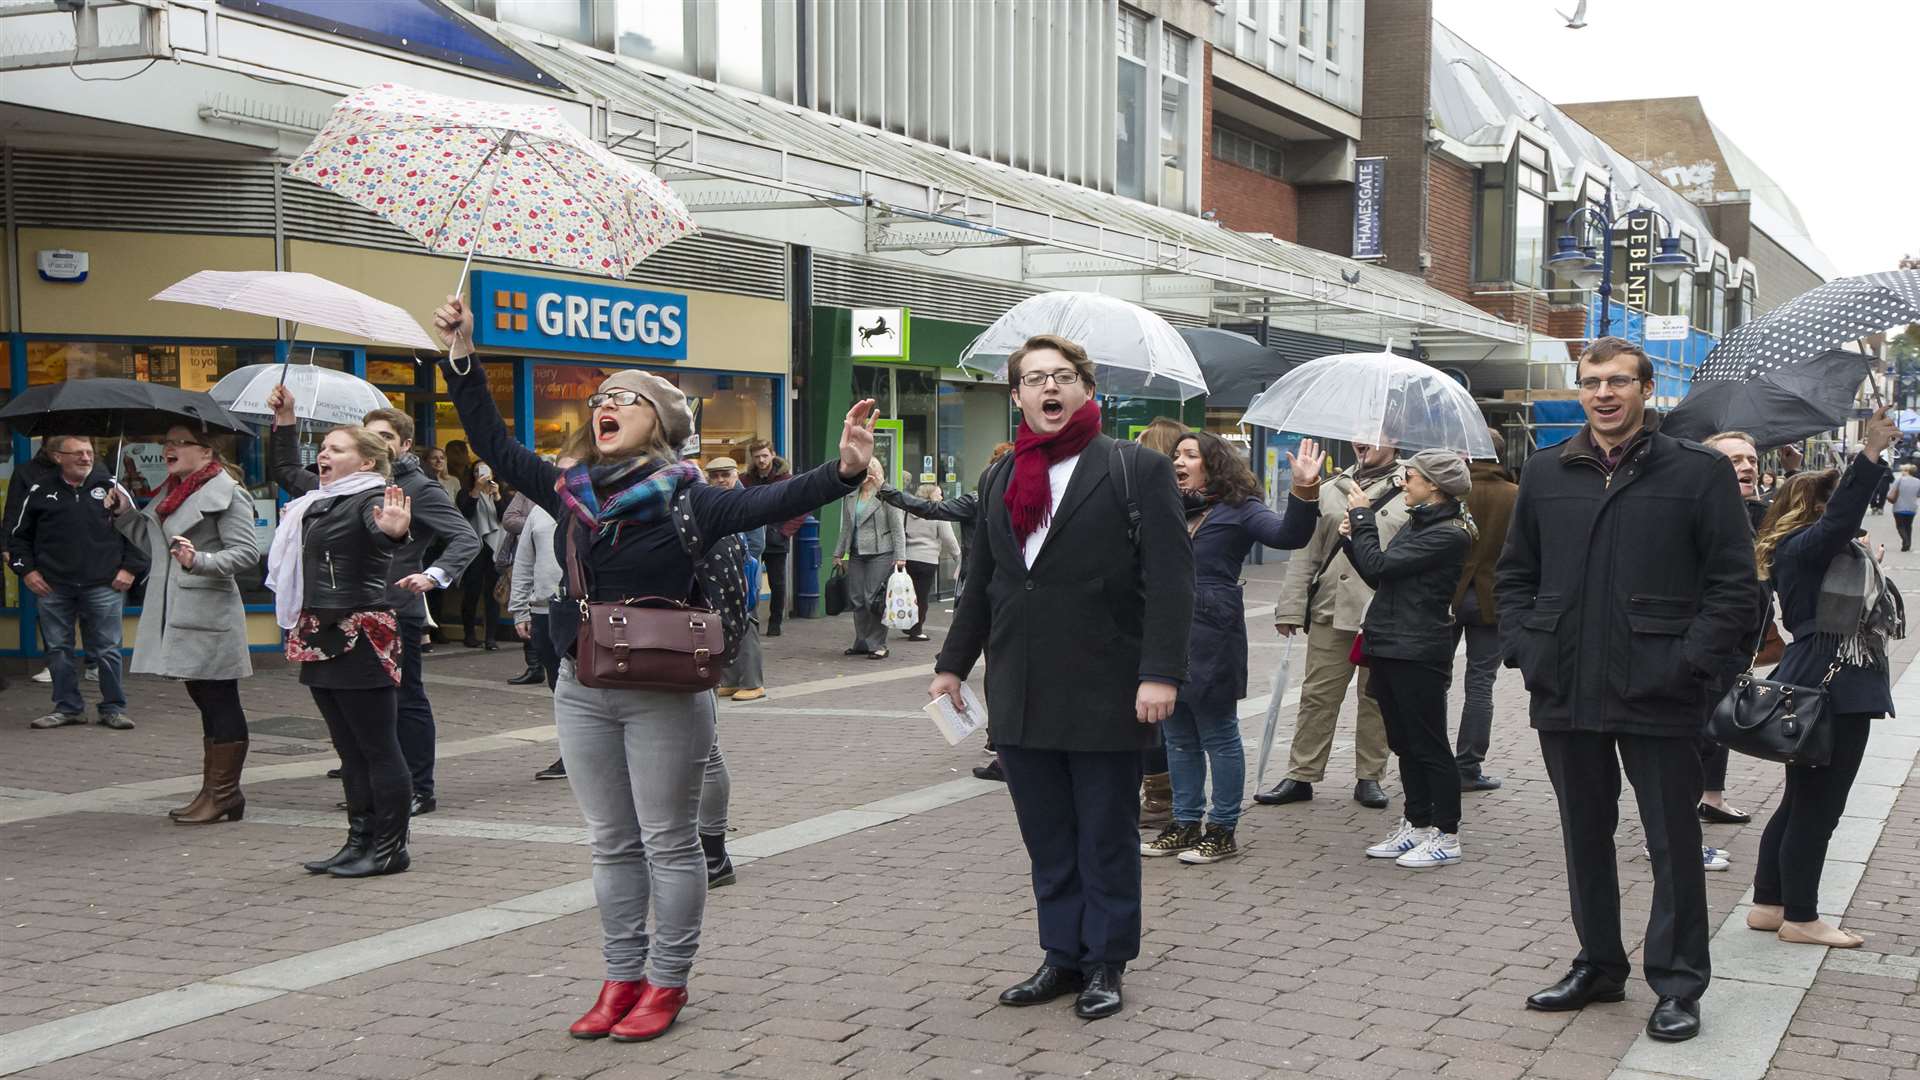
346	649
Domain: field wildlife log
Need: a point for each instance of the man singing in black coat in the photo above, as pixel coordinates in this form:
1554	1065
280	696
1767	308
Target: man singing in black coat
1627	600
1083	615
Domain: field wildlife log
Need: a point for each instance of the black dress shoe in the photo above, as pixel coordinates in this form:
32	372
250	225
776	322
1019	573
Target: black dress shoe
990	771
1101	998
1674	1020
471	643
492	646
1479	782
773	630
529	677
1713	815
333	774
856	651
1583	986
1046	984
1369	794
1285	791
422	804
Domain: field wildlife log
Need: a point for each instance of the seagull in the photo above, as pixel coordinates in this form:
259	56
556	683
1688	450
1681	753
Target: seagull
1578	19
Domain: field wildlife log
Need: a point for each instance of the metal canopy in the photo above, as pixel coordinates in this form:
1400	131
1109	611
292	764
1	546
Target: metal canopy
922	197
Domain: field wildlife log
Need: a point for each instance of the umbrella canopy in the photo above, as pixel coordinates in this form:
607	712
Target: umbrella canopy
115	407
1379	399
322	397
1809	324
508	181
1134	351
1235	366
1778	406
302	298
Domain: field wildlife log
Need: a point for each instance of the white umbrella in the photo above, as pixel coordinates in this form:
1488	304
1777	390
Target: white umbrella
1379	399
300	298
322	397
1134	351
1273	710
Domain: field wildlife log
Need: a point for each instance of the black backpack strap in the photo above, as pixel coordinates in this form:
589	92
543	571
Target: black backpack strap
1123	465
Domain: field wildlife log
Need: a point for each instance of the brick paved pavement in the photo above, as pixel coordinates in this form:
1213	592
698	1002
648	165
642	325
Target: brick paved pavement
870	953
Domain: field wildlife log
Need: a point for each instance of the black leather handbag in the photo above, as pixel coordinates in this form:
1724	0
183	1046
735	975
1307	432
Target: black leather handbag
1775	721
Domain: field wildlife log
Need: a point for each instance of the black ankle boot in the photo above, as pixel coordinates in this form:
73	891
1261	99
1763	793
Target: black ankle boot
359	835
386	853
719	864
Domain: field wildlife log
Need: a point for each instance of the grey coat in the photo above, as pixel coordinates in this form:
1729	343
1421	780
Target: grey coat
882	530
193	625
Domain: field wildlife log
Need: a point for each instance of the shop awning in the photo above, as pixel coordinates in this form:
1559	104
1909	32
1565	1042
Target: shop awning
726	149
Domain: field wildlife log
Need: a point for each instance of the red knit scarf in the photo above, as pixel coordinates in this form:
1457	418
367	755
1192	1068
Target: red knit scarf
178	491
1029	497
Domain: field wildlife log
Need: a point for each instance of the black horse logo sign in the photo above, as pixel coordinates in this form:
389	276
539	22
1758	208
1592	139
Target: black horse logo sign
879	329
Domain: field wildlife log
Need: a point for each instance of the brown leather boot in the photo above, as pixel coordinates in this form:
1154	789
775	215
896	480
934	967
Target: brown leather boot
1156	799
224	800
198	804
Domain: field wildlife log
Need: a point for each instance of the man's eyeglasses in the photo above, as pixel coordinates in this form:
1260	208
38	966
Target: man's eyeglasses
1067	377
1592	383
618	398
175	444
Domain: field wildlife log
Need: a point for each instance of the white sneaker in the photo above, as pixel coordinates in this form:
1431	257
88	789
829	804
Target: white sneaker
1404	839
1713	858
43	676
1438	849
93	673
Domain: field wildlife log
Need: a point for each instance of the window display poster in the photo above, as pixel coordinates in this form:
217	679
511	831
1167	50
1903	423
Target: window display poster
199	367
887	437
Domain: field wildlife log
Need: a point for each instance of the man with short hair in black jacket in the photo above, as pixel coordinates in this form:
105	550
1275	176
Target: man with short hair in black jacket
69	555
1627	599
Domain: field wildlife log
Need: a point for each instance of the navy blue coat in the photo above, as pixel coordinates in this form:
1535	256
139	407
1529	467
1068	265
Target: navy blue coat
1799	566
1217	668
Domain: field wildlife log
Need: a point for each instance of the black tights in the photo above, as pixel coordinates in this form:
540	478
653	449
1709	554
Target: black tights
1793	850
1413	703
221	717
365	725
477	597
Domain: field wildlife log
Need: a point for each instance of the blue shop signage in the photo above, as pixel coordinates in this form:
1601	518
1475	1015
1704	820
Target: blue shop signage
514	311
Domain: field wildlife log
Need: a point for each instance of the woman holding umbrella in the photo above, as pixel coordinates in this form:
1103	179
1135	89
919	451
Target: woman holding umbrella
636	758
1225	517
198	531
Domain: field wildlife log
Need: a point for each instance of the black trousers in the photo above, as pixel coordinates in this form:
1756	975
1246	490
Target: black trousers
1079	814
776	564
477	592
922	574
1585	769
363	724
1413	704
1713	765
416	731
1793	849
221	717
1903	524
543	648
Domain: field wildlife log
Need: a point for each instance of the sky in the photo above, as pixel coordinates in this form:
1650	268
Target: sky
1816	94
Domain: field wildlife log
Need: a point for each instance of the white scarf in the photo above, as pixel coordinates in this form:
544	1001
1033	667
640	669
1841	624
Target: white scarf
284	574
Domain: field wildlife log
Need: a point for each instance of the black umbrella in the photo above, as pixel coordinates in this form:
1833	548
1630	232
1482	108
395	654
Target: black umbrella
1813	322
1236	366
1778	406
115	407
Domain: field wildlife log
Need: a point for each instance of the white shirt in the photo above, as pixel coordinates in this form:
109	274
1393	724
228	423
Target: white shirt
1059	474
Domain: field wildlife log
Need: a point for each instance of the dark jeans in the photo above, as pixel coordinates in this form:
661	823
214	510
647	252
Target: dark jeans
1585	769
1413	703
776	563
1079	814
543	648
221	717
363	726
922	574
1793	849
416	730
1713	765
96	609
477	590
1483	667
1903	523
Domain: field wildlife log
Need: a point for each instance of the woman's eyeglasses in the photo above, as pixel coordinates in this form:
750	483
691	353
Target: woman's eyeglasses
175	444
617	398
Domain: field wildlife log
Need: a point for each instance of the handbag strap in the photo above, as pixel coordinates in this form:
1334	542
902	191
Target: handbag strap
576	572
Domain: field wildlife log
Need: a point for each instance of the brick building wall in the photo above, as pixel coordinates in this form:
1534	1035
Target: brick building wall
1395	97
1250	201
1326	217
1450	228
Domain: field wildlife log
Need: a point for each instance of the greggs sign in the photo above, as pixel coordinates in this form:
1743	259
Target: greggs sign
515	311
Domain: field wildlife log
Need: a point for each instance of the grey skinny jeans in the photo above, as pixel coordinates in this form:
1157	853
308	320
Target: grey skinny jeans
637	760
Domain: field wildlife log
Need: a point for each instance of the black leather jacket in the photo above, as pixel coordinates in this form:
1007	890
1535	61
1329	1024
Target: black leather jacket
1411	617
346	561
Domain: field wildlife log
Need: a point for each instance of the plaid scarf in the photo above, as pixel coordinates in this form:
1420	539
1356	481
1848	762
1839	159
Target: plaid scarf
1859	611
645	499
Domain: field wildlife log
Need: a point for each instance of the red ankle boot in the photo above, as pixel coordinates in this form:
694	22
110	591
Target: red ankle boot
617	998
659	1006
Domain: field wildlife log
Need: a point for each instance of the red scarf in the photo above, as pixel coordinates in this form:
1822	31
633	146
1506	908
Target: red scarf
178	491
1029	496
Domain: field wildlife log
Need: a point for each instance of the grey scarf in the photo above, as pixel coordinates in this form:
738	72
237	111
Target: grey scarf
1859	610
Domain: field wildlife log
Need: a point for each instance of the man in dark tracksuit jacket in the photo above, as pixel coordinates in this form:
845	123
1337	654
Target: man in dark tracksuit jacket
1628	599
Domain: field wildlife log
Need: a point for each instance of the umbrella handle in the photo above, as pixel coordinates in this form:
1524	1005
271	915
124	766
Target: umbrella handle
288	361
486	203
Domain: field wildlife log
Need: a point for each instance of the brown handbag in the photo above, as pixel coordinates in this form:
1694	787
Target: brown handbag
642	643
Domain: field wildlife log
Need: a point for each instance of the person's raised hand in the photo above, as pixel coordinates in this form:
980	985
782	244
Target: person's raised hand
856	440
395	513
453	325
1882	431
280	400
1307	462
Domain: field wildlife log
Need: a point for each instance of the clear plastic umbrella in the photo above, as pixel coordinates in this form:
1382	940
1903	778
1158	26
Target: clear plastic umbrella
322	397
1379	399
1134	351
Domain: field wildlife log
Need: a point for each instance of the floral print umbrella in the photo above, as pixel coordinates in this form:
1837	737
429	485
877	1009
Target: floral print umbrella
507	181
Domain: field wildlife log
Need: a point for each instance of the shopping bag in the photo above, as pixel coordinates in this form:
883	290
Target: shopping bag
835	595
903	608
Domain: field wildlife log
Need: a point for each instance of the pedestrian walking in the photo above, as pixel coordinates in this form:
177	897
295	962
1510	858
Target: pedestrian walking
513	521
1225	518
1407	638
1083	581
1627	600
636	759
873	544
745	678
766	467
479	503
1477	618
329	567
1842	612
1904	494
928	544
536	584
198	534
68	554
1880	490
1323	596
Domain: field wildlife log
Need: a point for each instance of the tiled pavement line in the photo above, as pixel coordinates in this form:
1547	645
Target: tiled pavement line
57	1040
1758	980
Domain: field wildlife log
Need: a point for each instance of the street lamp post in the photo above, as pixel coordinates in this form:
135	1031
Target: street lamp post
1579	264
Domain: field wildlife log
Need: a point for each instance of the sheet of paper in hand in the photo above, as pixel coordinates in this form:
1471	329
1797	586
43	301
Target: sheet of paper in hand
957	724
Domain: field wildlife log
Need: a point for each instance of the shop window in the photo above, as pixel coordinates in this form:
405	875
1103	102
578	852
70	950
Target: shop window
1718	300
1305	25
729	411
1130	138
1175	157
1333	33
1511	219
1490	224
1246	151
447	428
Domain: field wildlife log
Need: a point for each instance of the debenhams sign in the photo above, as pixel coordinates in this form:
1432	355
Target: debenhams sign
550	315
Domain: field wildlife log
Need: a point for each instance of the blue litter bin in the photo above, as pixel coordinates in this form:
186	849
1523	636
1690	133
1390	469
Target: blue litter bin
806	570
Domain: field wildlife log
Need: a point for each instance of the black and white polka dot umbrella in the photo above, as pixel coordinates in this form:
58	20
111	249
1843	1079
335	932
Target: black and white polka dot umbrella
1813	322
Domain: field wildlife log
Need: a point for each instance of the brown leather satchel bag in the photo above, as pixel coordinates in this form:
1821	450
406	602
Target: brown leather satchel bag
642	643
